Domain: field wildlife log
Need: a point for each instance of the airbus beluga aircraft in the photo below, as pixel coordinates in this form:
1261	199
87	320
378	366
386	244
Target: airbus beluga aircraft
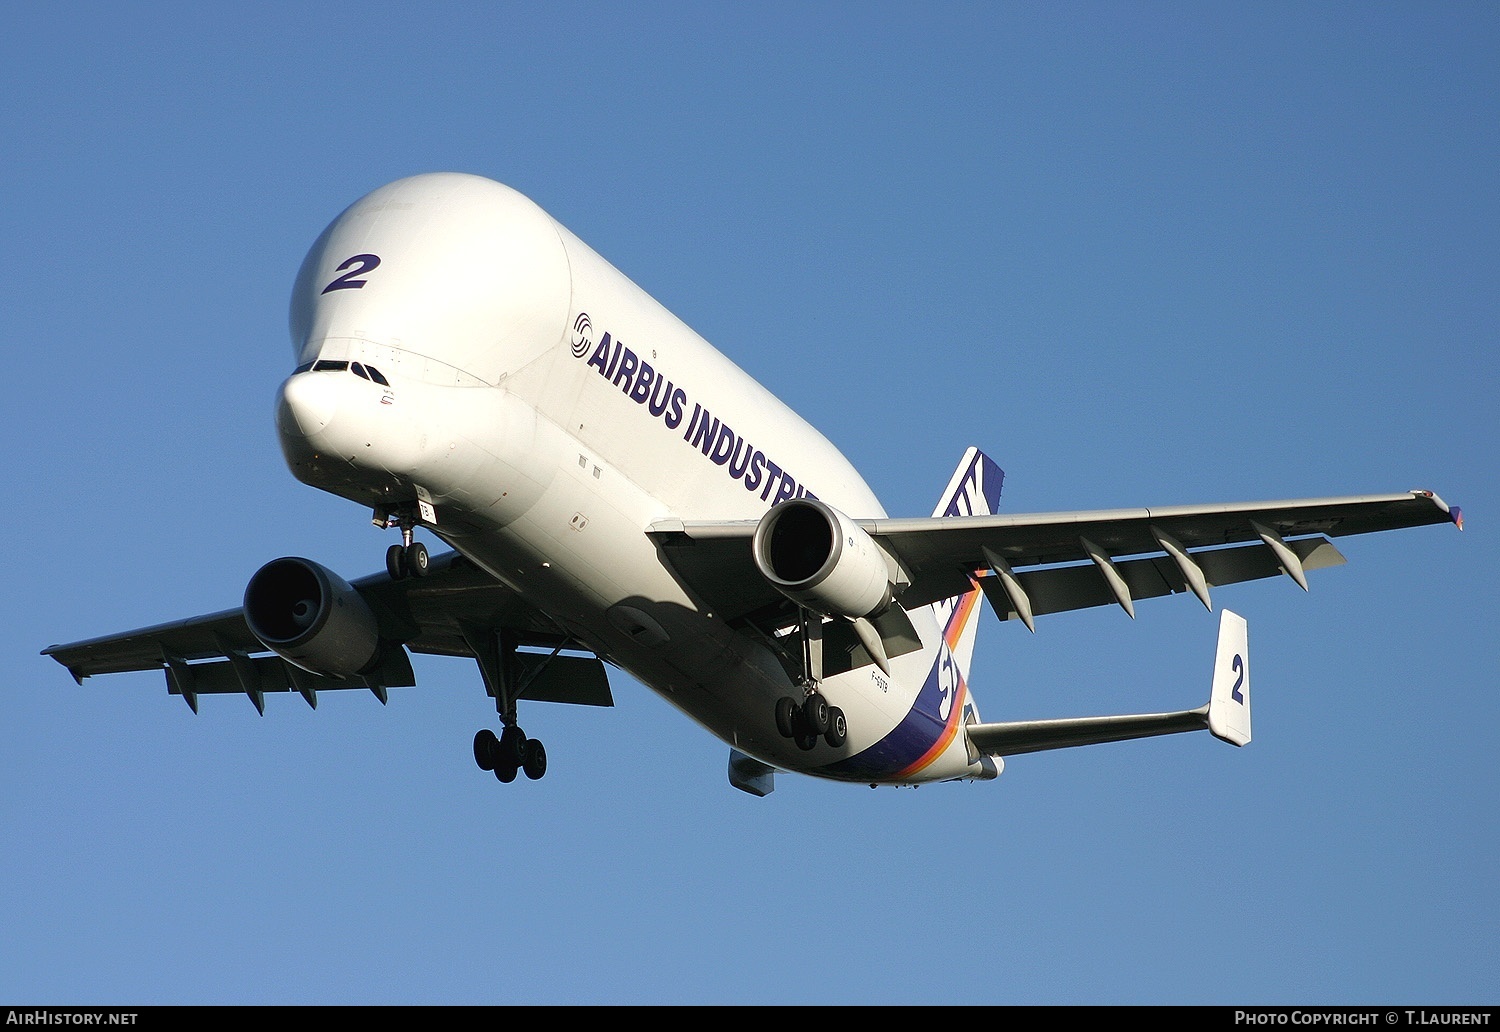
613	491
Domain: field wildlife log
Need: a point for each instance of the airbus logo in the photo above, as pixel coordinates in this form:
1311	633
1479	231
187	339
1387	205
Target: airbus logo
583	334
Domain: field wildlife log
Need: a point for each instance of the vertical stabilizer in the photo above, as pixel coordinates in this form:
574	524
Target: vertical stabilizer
973	491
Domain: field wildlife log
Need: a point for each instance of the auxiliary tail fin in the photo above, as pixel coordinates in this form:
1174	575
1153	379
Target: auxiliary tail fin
1226	715
974	490
1229	703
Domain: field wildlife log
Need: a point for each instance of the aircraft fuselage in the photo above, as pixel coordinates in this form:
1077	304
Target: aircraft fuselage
456	345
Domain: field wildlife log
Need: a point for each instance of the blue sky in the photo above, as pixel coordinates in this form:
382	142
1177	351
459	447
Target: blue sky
1143	254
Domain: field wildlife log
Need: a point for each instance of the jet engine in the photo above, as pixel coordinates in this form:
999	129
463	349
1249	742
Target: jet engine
311	617
822	560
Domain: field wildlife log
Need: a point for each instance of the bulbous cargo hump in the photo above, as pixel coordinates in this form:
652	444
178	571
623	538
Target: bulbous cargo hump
448	266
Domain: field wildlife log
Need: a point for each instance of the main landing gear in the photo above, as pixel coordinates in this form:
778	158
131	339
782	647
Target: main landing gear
510	753
812	718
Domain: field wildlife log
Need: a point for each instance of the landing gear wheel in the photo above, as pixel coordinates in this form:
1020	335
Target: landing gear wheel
512	751
535	763
416	559
505	772
838	727
786	713
486	746
815	710
806	742
395	562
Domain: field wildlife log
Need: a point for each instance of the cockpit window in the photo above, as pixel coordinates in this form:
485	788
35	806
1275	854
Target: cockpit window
366	372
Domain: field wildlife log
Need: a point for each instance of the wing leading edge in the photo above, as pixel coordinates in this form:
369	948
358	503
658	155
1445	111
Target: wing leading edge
455	610
1032	565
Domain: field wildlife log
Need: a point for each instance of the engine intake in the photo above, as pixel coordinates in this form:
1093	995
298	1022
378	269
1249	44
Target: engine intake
311	617
822	560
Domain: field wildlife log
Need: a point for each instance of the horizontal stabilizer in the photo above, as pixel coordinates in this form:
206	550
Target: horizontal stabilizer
1012	739
1227	713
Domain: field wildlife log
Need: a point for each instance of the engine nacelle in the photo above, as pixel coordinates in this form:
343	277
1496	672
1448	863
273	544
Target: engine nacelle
312	617
822	560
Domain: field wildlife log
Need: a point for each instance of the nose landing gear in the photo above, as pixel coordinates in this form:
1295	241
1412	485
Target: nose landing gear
409	558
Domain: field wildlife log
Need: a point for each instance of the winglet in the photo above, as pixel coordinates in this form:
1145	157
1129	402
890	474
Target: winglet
1229	704
1454	512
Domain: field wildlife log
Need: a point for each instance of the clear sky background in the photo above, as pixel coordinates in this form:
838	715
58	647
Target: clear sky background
1142	253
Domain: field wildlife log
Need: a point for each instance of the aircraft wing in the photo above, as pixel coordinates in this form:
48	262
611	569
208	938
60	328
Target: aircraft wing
1031	565
456	609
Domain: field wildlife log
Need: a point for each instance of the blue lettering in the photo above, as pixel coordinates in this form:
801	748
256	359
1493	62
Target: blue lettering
756	471
600	357
625	370
737	465
673	418
724	446
674	408
661	390
707	432
642	389
645	385
775	473
786	490
614	360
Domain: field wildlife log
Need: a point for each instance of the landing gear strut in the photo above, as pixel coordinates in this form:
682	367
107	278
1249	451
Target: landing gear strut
806	720
510	752
409	558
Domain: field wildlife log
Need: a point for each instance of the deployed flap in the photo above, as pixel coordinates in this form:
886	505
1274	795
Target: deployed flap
416	614
843	649
270	674
1061	588
941	554
579	680
202	637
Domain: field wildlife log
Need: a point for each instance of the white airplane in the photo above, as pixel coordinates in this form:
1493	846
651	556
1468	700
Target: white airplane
614	490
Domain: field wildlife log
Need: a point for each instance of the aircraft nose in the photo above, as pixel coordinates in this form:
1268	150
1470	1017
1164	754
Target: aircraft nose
306	404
